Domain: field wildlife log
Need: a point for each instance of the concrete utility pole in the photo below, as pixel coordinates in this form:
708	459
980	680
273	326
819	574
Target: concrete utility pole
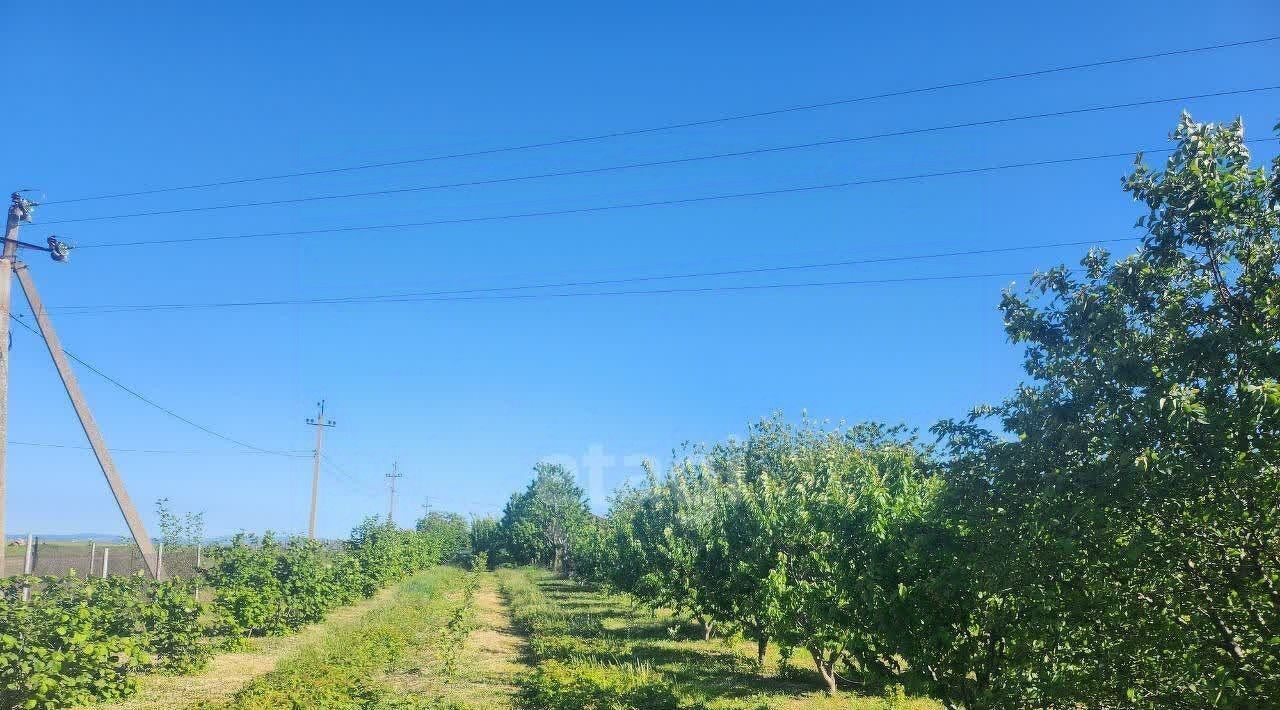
319	423
393	476
20	211
91	431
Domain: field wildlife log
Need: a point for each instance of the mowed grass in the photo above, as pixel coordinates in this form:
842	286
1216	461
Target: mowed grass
229	672
333	664
390	653
489	663
599	634
349	667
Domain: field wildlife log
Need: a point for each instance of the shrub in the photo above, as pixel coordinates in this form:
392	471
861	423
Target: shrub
174	633
82	640
568	648
308	583
555	685
248	599
54	652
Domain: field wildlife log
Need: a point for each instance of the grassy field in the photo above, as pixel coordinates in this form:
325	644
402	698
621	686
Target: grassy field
353	666
340	662
489	661
509	639
592	649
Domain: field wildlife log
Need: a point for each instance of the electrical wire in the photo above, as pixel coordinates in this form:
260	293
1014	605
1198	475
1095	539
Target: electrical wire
152	403
356	484
685	124
339	469
634	292
630	205
173	452
655	163
396	297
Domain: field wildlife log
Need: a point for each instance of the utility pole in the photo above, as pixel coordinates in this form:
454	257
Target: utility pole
20	211
91	431
319	423
391	510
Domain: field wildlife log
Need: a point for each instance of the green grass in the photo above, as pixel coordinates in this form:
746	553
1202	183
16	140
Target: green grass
489	661
593	650
542	643
231	671
349	668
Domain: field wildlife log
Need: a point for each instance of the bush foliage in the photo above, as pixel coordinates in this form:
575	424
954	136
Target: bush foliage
80	640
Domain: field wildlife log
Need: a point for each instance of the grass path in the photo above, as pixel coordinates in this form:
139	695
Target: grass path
327	665
229	672
598	639
349	667
491	659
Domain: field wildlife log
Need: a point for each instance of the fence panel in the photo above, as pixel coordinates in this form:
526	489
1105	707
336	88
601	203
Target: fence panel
59	557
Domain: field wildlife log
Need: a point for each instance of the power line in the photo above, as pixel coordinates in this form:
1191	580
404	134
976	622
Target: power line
714	289
659	163
340	470
174	452
402	296
685	124
364	486
153	403
647	292
631	205
335	465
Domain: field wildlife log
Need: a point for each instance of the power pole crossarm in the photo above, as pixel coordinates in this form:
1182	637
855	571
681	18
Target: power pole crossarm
319	423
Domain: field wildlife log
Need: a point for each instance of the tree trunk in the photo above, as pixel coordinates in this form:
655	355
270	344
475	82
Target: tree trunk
557	563
826	669
707	626
762	646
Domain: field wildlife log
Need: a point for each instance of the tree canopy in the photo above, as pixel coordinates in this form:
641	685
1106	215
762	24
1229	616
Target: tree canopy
1107	536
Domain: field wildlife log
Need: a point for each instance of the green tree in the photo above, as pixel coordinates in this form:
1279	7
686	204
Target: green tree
539	524
1136	508
486	536
452	532
843	499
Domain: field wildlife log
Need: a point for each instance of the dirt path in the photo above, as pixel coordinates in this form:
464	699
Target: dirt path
228	672
491	659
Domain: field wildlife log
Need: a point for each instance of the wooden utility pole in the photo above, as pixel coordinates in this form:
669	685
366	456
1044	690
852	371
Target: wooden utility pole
91	431
393	476
19	212
319	423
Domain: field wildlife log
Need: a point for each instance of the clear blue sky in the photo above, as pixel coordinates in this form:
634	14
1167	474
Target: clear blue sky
468	395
